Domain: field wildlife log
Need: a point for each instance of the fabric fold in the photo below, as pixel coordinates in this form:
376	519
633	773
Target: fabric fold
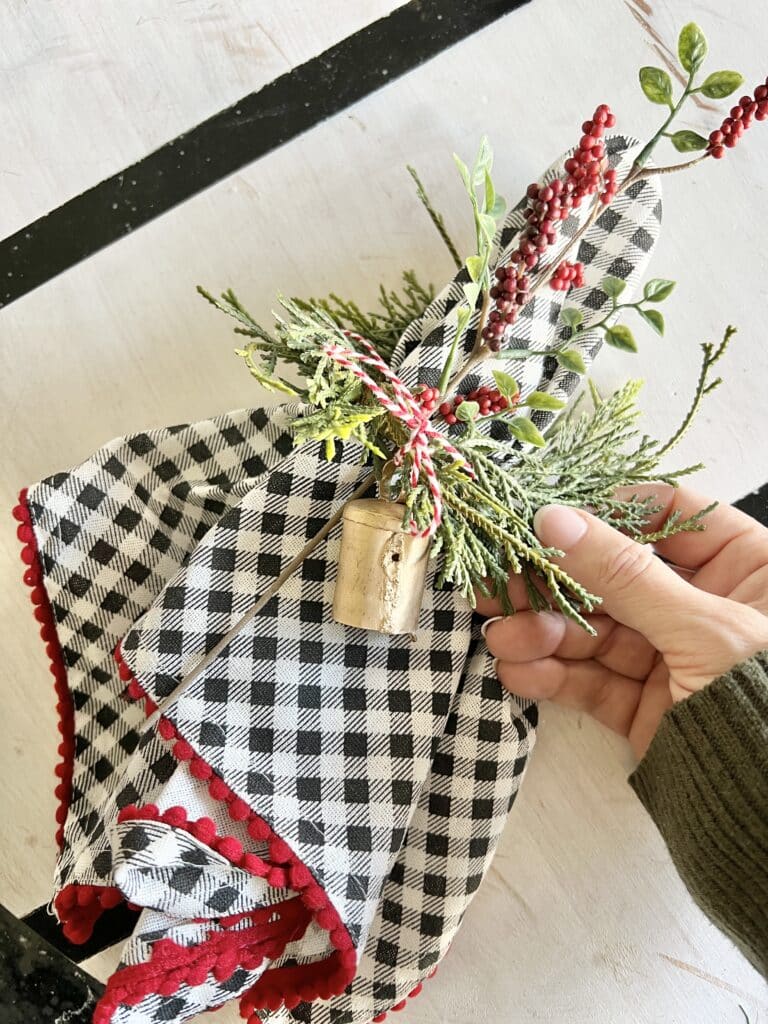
326	732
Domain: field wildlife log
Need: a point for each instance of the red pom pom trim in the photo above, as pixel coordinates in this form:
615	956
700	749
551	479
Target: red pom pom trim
78	908
33	577
247	947
396	1008
221	953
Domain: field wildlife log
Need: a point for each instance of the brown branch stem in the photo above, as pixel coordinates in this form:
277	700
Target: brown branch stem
477	355
651	172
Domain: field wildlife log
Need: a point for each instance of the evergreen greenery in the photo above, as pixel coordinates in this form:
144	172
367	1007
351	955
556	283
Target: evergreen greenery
486	530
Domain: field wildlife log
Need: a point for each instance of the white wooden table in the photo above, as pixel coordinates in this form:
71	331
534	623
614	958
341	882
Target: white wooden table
582	917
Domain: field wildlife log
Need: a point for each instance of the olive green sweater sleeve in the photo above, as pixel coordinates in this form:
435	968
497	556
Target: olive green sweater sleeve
704	781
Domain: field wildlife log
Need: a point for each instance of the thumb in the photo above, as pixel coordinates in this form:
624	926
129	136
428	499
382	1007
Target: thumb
637	588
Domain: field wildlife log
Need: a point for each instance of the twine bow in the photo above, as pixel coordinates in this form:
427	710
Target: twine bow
404	406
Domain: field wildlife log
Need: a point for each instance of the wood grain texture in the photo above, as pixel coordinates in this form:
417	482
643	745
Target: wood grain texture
582	917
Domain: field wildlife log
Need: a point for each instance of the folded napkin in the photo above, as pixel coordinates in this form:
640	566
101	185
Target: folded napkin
303	816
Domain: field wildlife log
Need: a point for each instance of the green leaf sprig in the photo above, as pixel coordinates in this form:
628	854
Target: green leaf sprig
656	84
619	335
487	210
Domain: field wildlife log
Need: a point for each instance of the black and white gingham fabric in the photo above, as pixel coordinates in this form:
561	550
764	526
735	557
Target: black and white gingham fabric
155	864
327	731
111	533
387	764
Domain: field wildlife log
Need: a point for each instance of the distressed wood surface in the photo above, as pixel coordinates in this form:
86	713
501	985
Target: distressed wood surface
582	917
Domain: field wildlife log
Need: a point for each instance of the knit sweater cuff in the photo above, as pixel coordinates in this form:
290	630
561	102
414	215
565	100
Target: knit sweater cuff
704	781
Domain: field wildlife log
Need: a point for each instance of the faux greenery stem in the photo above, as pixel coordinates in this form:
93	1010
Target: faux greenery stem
650	172
703	387
674	109
478	354
437	218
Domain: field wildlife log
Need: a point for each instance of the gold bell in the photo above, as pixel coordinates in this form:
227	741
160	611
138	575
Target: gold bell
381	570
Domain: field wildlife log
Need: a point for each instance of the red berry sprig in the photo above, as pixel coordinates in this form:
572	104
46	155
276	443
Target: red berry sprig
427	398
489	399
509	295
585	167
568	275
548	205
611	179
737	122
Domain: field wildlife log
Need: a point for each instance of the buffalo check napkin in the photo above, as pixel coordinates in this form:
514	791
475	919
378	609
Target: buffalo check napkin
302	826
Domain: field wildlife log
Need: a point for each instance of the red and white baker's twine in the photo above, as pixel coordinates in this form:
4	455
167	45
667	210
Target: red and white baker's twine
402	404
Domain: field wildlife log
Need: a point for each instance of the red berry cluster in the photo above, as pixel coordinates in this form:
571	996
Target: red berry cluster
585	167
739	119
427	398
509	295
547	206
611	181
490	401
568	275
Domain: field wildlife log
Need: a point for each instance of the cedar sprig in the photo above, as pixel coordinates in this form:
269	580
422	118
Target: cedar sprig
382	328
436	217
488	529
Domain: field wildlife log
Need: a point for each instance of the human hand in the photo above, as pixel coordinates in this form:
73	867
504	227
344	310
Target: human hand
660	636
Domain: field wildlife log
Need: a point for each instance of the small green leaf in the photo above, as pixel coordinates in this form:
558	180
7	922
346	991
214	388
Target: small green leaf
621	337
658	289
572	316
471	291
570	359
522	428
720	84
488	225
692	47
483	161
474	265
463	313
467	411
686	141
541	400
657	85
654	318
506	383
613	286
490	193
499	206
463	171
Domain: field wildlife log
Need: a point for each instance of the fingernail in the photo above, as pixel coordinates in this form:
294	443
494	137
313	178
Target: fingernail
496	666
488	622
558	526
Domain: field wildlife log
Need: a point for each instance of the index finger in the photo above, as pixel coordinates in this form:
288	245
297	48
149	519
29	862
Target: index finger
692	550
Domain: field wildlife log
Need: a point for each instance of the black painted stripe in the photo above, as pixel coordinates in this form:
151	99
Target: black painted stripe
755	504
113	926
229	140
37	984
